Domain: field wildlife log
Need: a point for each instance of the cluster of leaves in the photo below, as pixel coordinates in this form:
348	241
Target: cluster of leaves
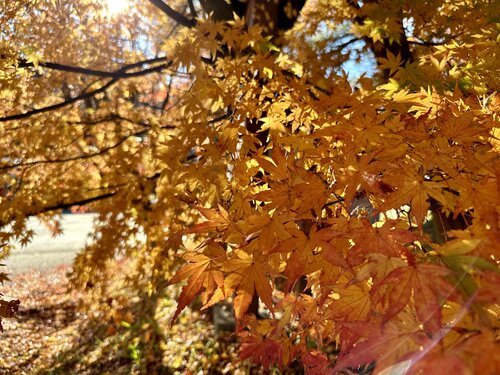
383	291
363	214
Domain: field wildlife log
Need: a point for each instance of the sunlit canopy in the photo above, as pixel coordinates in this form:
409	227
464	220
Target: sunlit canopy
116	6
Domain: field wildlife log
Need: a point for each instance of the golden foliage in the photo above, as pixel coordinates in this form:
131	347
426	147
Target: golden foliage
380	192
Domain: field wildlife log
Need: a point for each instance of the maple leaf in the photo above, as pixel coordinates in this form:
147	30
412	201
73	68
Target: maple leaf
388	239
484	350
272	233
304	259
358	173
377	267
330	252
306	307
391	62
299	264
247	276
269	230
482	195
201	272
458	247
316	363
488	291
422	281
414	189
349	302
372	342
273	123
312	192
438	363
218	220
264	351
279	166
278	196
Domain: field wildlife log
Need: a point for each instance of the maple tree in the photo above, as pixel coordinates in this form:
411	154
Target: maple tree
362	211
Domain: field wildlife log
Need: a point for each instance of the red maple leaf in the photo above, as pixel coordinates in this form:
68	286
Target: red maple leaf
373	342
422	281
265	351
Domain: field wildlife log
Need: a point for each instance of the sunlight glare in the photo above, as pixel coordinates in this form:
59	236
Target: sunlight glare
116	6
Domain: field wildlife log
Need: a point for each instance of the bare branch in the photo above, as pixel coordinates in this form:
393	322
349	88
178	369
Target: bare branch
173	14
108	118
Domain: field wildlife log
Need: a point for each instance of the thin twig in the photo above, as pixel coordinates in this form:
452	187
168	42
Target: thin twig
78	157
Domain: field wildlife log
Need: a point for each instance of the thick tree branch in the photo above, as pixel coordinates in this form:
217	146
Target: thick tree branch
192	8
120	73
63	205
220	10
89	94
63	104
82	202
173	14
379	48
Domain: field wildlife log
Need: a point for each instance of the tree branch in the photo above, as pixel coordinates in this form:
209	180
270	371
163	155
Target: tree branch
101	151
65	103
192	8
120	73
341	46
173	14
89	94
220	10
62	205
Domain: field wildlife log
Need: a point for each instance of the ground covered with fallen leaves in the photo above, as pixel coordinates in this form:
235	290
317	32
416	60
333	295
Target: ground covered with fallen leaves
53	334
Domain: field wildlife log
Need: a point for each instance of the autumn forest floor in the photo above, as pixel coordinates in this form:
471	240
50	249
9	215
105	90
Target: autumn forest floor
51	334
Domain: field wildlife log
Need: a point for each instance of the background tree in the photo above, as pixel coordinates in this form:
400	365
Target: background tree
381	192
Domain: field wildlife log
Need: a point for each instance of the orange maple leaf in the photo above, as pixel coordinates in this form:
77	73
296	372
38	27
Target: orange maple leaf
248	275
279	166
217	220
414	189
201	272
